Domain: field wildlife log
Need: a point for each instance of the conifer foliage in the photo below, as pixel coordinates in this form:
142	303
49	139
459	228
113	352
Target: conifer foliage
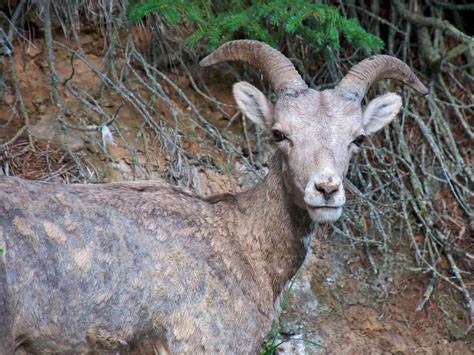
219	21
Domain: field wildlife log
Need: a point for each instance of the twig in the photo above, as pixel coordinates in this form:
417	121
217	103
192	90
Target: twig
428	292
464	290
443	25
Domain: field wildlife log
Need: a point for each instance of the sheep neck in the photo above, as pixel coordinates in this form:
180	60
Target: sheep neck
273	227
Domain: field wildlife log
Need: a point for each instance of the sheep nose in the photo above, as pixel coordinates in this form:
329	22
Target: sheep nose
327	189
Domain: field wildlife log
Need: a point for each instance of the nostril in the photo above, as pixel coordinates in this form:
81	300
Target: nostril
326	189
320	188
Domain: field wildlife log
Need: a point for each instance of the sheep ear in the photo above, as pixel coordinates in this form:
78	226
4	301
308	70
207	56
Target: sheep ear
253	103
380	112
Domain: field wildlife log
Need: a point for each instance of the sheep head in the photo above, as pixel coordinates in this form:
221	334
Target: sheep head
317	132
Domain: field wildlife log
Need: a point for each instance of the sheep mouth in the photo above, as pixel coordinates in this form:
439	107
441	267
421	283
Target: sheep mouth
324	214
323	207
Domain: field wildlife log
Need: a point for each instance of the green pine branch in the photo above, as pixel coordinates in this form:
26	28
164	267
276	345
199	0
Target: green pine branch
319	25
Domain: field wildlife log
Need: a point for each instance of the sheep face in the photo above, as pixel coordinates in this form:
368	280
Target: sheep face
317	133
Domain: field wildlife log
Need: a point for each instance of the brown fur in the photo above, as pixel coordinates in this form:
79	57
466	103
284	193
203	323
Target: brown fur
108	268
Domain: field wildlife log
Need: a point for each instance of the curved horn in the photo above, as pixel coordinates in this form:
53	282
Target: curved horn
363	75
276	67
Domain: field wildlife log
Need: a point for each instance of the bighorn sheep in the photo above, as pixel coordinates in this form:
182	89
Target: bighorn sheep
105	267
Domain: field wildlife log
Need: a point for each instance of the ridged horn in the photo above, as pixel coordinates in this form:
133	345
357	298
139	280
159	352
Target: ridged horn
276	67
361	76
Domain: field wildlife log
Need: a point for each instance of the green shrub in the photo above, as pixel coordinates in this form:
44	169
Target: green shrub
217	22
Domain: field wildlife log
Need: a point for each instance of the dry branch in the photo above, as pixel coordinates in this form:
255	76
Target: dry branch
422	21
402	176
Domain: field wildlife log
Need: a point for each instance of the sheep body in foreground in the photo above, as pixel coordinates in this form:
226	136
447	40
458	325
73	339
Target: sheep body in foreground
102	265
108	267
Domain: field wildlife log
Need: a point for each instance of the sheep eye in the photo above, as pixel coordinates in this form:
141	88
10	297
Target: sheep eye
278	136
359	140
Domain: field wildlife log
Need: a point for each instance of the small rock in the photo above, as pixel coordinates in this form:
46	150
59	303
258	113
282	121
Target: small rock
33	51
9	99
49	129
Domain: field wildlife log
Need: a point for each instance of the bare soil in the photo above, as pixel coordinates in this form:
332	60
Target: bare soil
340	303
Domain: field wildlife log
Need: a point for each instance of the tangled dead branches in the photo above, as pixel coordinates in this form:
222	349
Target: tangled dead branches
412	184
